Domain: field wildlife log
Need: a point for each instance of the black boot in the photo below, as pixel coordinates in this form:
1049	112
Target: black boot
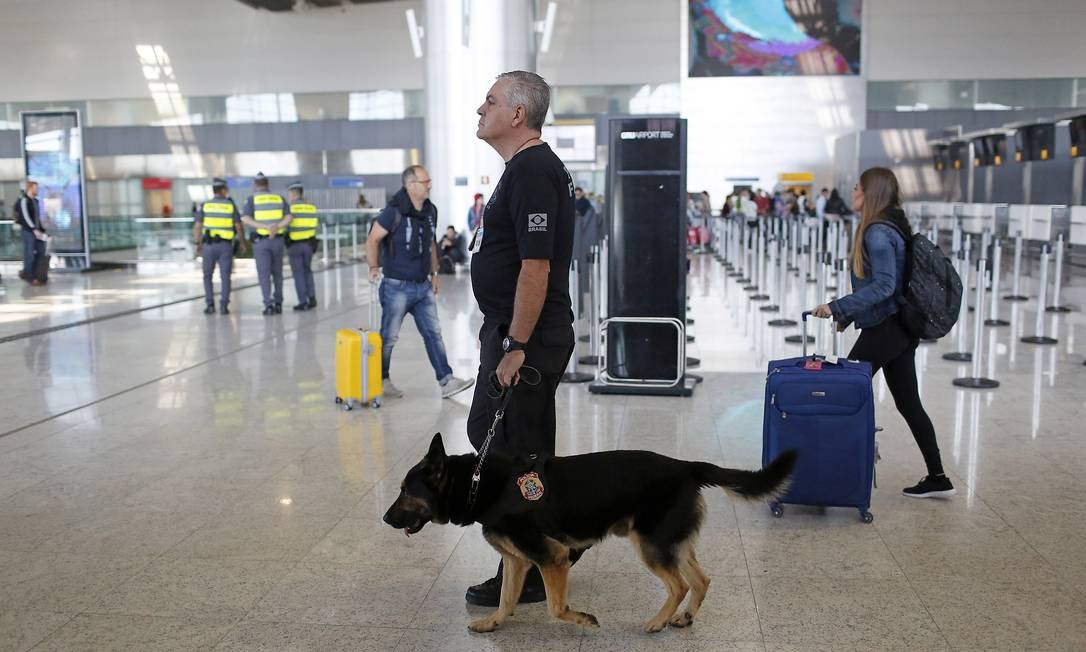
224	310
300	307
268	310
489	593
312	302
210	309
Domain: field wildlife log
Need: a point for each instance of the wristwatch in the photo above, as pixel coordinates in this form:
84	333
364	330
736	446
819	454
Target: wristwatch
509	344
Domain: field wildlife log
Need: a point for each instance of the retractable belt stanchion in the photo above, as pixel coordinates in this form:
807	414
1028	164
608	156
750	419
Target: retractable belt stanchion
324	243
782	296
1015	294
1057	281
976	381
993	309
776	253
572	374
354	241
793	245
964	270
335	234
739	231
754	253
593	310
812	255
1042	290
762	283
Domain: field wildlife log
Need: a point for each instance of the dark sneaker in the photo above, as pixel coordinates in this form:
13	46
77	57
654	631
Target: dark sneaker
932	486
224	310
210	309
278	308
488	594
312	302
301	306
268	310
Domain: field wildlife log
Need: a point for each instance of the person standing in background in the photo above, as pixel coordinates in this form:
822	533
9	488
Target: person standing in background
475	213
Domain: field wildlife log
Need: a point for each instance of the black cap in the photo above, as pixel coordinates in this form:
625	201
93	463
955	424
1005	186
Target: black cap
260	178
217	183
297	185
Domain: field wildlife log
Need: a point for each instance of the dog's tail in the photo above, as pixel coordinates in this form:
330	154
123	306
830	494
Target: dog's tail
770	482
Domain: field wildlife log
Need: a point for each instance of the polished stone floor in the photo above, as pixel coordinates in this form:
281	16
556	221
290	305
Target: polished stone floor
175	481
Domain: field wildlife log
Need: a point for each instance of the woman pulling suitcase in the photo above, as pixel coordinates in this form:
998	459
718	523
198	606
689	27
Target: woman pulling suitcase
878	262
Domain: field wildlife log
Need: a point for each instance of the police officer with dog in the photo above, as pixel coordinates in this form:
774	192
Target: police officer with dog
301	243
520	277
265	213
217	233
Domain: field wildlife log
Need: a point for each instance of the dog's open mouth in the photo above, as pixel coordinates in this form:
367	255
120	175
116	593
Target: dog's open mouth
414	528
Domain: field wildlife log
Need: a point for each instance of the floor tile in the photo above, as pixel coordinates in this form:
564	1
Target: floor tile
854	612
22	630
281	537
93	632
60	581
336	594
256	637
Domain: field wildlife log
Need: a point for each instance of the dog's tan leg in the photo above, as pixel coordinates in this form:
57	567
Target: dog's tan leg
514	571
698	581
556	580
676	591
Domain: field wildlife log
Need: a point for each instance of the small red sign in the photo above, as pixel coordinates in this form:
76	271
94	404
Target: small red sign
156	183
814	365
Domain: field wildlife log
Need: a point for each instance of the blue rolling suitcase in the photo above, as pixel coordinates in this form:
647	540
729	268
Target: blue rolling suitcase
822	407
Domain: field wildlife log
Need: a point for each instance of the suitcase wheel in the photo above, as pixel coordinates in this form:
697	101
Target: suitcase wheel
338	400
347	405
866	517
776	509
375	403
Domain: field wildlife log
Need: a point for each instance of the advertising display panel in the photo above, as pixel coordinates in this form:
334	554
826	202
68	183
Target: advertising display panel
53	156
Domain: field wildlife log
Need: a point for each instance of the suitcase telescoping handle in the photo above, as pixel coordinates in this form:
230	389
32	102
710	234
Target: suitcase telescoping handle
373	325
838	336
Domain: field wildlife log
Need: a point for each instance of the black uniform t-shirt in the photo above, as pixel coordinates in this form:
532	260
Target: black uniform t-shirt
529	216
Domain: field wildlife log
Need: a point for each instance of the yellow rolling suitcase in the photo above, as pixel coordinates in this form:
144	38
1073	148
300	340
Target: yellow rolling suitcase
358	364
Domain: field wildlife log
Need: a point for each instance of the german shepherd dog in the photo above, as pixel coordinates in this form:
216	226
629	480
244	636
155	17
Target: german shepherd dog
540	511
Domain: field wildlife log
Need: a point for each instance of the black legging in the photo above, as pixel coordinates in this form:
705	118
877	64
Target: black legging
888	347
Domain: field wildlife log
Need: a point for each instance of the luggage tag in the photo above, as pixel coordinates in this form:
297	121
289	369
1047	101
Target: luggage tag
814	364
832	359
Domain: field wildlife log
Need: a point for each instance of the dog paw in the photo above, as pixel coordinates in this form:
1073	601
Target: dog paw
654	626
588	620
483	625
681	620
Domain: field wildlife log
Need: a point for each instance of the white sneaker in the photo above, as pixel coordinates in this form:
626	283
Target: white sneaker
388	390
455	385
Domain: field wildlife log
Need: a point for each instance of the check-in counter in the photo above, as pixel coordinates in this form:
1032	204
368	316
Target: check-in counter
1078	225
978	217
1018	222
1040	222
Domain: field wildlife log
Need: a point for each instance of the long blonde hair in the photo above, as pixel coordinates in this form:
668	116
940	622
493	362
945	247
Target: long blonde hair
881	192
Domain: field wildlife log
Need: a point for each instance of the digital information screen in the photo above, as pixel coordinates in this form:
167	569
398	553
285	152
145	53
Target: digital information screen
53	155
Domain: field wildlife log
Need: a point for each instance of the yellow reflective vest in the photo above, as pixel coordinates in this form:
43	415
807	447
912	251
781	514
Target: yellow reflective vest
218	218
267	209
304	224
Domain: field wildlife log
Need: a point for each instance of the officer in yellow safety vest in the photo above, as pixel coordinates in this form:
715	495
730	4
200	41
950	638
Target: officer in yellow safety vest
265	212
216	230
301	243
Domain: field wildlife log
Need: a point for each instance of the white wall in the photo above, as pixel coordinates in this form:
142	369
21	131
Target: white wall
86	49
974	39
601	42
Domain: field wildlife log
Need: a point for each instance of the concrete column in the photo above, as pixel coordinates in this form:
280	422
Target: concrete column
467	43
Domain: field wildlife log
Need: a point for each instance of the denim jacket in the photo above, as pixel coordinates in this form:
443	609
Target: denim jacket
875	296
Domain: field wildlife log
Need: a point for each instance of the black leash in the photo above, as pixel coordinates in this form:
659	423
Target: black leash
497	390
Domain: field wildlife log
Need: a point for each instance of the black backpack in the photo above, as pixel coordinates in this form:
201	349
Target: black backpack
933	290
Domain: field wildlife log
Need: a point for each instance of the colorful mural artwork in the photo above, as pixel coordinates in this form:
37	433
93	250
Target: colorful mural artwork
774	37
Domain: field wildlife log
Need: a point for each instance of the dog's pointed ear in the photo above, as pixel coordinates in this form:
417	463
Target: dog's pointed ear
436	454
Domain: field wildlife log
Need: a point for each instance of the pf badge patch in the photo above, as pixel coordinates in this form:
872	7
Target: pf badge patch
531	487
537	222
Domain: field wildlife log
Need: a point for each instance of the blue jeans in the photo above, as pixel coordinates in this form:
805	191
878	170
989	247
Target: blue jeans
399	298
